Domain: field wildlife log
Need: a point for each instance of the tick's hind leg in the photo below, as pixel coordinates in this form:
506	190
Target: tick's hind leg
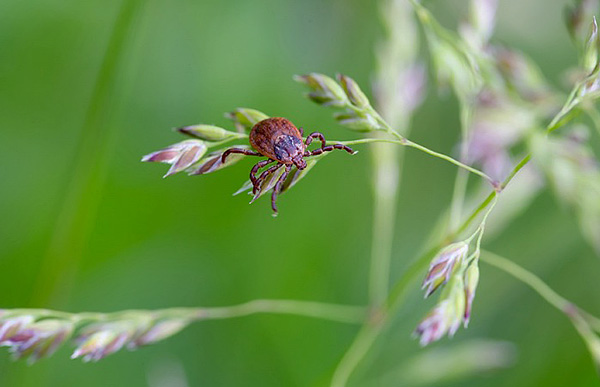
277	188
314	135
246	152
258	166
329	148
263	176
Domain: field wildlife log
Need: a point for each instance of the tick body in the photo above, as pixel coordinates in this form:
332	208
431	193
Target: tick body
281	142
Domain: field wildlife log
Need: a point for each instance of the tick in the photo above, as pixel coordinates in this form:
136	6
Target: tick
281	142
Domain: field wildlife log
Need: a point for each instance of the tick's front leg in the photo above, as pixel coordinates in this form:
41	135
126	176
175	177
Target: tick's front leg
258	166
277	188
246	152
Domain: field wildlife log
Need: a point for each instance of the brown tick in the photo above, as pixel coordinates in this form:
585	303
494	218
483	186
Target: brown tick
281	142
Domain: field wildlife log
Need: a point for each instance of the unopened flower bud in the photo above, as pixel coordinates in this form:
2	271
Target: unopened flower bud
296	174
590	54
159	330
324	90
478	30
471	281
244	119
100	340
208	132
214	161
11	325
39	339
443	266
578	17
181	155
353	121
446	317
353	91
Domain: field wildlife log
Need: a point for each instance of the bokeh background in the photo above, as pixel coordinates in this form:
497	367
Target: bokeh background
87	227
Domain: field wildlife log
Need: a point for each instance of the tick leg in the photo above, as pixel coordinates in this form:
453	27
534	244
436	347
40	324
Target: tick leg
258	166
256	191
301	131
329	148
315	135
246	152
277	188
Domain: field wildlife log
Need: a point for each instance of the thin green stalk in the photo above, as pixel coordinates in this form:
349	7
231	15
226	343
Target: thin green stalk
527	278
82	195
405	142
386	180
584	322
462	179
334	312
450	159
369	332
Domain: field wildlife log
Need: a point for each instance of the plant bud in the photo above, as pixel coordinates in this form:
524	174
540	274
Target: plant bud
353	121
443	266
33	340
159	330
353	91
324	90
478	30
577	19
208	132
100	340
590	54
181	155
213	162
296	174
446	317
244	119
471	281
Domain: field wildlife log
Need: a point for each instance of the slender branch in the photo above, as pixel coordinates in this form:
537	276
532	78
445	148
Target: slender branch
370	332
584	322
462	179
527	278
405	142
449	159
386	180
333	312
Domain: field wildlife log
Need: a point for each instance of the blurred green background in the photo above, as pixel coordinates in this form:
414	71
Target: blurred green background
86	226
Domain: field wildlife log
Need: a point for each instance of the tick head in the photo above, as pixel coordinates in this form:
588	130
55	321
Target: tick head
289	149
299	162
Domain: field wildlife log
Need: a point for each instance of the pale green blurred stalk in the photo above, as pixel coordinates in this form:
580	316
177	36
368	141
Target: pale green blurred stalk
396	56
83	192
584	322
333	312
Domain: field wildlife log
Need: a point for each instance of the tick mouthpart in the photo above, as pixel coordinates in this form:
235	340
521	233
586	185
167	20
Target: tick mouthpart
299	162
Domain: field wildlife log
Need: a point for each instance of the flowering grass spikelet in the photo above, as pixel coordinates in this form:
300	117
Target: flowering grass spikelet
446	316
10	325
214	162
244	119
209	132
40	339
324	90
471	281
100	340
181	155
158	331
443	266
